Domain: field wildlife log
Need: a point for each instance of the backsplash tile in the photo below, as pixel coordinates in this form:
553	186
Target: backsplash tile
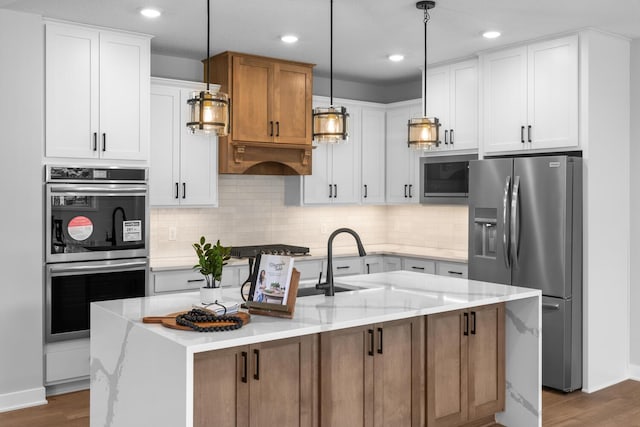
252	211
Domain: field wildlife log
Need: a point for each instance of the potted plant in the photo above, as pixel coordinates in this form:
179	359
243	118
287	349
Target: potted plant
211	260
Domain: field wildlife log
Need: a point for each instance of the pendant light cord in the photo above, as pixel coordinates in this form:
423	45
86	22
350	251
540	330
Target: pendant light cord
208	39
331	55
426	19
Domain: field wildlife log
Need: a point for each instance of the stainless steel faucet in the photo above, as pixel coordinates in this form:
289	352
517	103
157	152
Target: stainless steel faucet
328	286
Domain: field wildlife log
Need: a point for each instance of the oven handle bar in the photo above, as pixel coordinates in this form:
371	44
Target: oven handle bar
108	267
106	190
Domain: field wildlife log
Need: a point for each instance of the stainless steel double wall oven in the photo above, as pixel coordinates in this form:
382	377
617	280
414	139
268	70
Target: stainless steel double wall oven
97	244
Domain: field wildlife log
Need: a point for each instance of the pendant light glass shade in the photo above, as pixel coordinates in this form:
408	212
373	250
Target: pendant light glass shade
209	113
330	124
423	132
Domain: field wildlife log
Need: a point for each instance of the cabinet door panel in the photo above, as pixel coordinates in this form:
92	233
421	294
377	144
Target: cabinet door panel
124	97
399	373
346	378
163	171
505	99
401	161
316	185
220	397
291	102
486	361
251	100
464	105
71	91
438	98
373	156
553	93
345	164
446	369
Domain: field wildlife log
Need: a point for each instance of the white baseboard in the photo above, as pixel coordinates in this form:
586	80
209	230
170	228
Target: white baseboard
69	387
22	399
604	385
634	372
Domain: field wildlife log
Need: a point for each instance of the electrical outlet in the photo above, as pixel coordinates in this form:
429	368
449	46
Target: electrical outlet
324	228
172	233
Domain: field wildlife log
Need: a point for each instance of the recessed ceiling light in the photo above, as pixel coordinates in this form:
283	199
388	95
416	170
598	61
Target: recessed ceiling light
150	13
396	57
491	34
289	38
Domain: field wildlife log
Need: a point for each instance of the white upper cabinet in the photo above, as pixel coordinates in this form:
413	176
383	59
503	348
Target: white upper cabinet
402	167
452	97
97	93
335	175
531	97
183	166
373	155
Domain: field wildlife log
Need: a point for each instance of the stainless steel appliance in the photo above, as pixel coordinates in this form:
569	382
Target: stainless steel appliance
273	249
445	179
96	245
525	229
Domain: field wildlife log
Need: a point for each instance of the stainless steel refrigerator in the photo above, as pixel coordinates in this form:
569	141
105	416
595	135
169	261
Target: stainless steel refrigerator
525	229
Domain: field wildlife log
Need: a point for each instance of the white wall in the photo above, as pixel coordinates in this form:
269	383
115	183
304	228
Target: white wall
172	67
635	212
604	133
21	177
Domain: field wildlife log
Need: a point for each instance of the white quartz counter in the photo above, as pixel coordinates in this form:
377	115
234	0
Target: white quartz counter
175	263
139	370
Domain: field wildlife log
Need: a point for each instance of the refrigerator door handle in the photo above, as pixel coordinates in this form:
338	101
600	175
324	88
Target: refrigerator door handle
505	228
548	306
515	226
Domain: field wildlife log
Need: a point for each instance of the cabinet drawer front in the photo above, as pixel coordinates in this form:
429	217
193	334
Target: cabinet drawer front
419	265
308	269
182	280
344	267
67	364
452	269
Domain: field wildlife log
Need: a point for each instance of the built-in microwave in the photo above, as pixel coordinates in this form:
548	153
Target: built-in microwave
445	179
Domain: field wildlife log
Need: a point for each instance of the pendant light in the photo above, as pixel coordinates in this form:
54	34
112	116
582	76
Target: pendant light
424	131
330	124
209	111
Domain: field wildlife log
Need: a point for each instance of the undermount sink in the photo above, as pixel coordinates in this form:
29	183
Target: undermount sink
311	290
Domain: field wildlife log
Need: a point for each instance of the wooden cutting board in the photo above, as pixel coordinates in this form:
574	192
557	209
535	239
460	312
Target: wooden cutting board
169	321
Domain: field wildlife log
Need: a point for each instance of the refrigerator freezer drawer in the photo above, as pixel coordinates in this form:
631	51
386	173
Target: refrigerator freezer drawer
561	362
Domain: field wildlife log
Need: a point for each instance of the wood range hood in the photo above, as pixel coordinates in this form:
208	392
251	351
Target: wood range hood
271	114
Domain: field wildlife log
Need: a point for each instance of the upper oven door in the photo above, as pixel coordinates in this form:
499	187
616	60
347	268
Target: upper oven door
96	221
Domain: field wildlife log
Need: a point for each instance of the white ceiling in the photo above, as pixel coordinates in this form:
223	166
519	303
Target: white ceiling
365	31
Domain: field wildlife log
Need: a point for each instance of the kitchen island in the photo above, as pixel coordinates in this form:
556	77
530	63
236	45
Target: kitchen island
143	374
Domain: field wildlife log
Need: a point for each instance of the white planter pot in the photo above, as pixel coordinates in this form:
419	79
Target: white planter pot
210	295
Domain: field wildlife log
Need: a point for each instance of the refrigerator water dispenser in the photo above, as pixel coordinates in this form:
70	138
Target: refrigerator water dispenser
485	233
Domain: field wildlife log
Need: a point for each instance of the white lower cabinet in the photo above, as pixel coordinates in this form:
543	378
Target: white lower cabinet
419	265
373	264
391	263
309	269
453	269
183	280
346	266
183	167
66	361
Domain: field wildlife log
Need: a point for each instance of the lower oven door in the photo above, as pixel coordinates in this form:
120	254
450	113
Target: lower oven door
72	287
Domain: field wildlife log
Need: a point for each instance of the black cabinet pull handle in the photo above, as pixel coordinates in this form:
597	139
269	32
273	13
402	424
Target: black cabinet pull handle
446	134
410	188
451	136
256	355
277	128
473	323
529	133
271	126
335	191
184	190
466	324
366	191
330	191
417	268
370	332
459	273
342	267
405	190
95	141
244	367
104	142
368	268
195	280
177	190
379	340
522	134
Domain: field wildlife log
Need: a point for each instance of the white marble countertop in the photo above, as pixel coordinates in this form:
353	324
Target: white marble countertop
384	297
186	262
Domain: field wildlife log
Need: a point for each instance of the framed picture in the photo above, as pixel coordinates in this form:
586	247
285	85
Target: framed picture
274	285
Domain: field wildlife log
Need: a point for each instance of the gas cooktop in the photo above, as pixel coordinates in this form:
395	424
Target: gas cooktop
252	251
